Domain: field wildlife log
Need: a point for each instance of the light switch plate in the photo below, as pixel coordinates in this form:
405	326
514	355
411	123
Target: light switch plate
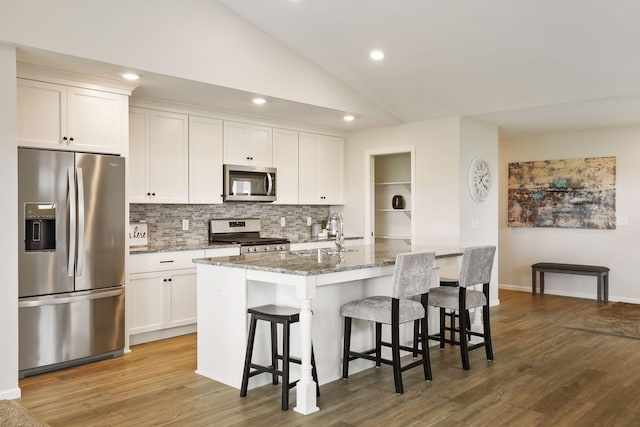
185	225
283	221
309	221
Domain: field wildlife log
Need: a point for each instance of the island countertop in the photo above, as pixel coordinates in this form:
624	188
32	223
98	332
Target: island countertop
324	261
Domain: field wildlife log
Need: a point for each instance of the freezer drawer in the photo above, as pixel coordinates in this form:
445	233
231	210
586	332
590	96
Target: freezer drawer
68	329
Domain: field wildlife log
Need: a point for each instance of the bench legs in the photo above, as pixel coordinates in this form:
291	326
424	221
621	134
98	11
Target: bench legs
603	284
603	287
533	281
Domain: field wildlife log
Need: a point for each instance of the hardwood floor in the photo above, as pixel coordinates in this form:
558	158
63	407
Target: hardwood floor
543	374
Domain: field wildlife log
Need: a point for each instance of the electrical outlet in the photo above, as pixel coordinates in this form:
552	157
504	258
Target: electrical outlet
309	221
283	221
622	221
185	225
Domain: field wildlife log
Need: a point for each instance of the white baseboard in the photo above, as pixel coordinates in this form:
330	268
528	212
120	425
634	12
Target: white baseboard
10	394
162	334
585	295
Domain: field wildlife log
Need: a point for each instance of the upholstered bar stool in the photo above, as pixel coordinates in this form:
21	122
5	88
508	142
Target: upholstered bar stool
411	276
475	269
274	314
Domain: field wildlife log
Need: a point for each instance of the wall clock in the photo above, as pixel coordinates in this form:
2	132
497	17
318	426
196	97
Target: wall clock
479	179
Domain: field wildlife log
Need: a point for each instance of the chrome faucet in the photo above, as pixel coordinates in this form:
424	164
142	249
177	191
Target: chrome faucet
338	228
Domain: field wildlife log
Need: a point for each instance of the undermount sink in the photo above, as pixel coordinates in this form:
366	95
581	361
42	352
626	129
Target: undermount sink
323	251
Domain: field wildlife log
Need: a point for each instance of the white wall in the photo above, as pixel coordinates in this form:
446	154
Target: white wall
616	249
436	187
197	40
479	220
8	218
443	207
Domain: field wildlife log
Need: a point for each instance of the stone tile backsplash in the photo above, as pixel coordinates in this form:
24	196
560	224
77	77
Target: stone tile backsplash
165	221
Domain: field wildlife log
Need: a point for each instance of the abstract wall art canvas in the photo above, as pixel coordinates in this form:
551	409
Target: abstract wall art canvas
570	193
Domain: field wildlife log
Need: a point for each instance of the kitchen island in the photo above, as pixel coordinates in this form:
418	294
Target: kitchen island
320	279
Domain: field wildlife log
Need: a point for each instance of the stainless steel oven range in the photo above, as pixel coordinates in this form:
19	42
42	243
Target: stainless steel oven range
246	233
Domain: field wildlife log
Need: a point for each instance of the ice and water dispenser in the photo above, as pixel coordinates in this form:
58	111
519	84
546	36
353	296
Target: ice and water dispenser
40	226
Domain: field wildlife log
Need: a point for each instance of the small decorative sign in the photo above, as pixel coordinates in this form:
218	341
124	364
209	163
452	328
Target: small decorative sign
138	235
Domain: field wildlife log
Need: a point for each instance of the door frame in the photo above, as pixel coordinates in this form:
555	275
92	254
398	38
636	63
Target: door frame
369	183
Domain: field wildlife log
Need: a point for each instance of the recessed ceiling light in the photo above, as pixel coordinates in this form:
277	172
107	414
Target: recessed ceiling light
348	118
376	55
130	76
259	101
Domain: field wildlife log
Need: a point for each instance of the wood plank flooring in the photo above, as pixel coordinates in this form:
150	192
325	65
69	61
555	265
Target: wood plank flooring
543	375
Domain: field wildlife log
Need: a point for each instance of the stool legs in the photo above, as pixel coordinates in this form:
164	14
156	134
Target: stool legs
247	359
378	343
346	347
273	368
274	352
285	366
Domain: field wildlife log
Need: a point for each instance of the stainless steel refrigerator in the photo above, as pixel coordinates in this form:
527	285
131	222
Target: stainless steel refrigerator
71	258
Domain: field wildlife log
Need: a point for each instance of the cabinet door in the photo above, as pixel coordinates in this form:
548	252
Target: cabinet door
309	171
181	298
146	302
138	160
205	160
96	120
331	164
42	115
285	160
236	143
246	144
260	146
168	157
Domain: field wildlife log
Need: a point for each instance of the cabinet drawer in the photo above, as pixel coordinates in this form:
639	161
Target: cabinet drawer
162	261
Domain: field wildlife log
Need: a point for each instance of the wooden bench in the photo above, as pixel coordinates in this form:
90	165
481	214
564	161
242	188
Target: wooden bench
602	273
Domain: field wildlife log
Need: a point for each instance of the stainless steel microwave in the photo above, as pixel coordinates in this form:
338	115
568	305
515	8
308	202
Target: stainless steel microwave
249	184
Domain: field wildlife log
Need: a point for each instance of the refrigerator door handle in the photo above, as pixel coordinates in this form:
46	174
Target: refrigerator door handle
68	298
81	213
72	222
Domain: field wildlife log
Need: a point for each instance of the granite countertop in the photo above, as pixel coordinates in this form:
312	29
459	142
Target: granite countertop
176	247
323	261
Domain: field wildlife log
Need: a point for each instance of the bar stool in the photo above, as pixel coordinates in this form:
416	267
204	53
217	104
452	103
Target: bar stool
411	276
274	314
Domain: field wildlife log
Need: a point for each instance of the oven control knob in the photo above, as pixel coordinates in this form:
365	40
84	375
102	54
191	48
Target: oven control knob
266	248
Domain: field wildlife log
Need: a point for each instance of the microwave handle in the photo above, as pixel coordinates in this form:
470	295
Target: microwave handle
269	184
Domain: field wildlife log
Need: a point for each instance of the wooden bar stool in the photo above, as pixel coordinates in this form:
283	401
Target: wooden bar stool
274	314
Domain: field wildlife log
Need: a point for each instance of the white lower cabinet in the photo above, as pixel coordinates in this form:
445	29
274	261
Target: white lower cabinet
161	295
162	300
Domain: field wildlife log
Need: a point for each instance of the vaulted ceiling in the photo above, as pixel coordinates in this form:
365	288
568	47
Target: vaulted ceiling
526	65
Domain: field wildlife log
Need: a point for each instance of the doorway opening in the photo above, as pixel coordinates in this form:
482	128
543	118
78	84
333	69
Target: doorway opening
391	196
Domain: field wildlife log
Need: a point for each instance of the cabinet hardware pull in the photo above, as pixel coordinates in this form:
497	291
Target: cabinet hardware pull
164	262
71	139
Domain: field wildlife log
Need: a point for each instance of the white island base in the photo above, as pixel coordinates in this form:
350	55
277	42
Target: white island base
225	293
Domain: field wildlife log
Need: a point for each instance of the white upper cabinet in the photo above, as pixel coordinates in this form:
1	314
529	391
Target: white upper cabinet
285	160
321	169
247	144
158	157
205	160
55	116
